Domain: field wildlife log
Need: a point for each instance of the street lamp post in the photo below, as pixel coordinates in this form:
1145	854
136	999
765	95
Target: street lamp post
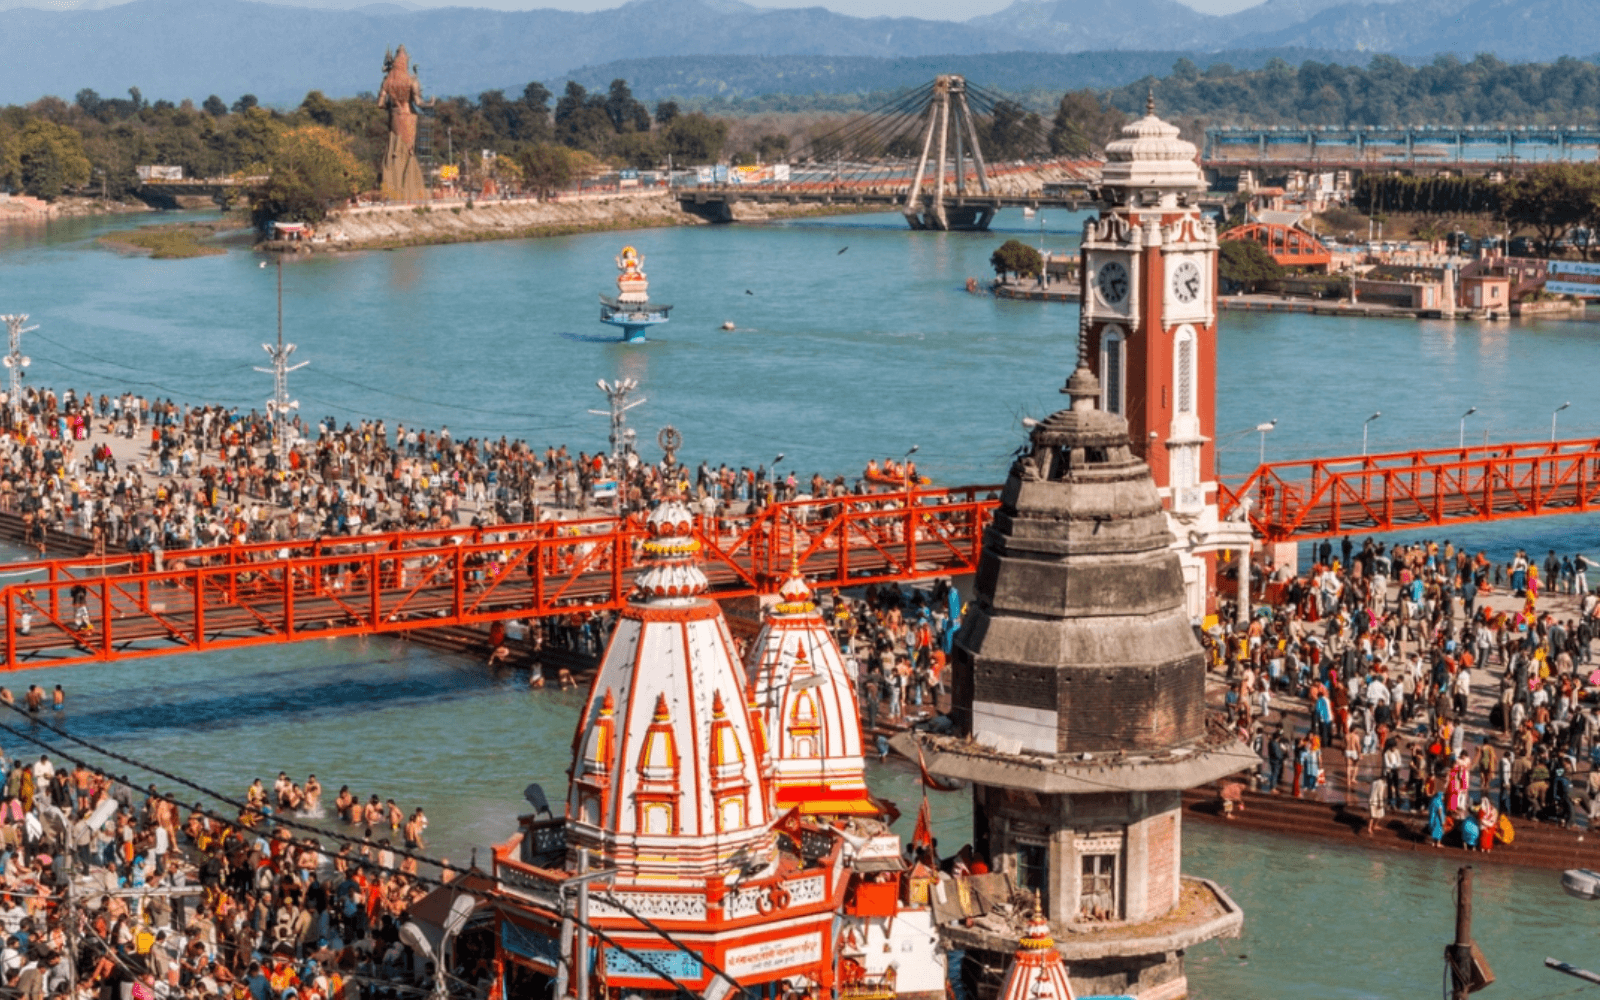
1558	409
1462	443
1262	429
1364	425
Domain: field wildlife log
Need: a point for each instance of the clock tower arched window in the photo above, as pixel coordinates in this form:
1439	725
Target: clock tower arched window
1113	368
1183	363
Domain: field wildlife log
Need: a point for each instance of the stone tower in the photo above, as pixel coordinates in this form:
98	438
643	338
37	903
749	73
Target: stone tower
1079	708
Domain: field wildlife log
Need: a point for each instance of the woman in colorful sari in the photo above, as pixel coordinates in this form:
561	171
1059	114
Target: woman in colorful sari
1456	786
1436	818
1469	832
1488	820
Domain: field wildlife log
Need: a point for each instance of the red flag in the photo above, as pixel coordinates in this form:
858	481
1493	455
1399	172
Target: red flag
922	836
789	823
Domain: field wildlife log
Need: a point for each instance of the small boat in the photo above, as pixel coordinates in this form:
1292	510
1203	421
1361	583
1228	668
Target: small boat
1581	883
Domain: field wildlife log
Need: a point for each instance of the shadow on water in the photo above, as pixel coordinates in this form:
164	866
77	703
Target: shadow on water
584	338
176	709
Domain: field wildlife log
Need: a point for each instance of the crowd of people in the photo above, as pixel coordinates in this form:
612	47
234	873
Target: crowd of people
103	886
194	476
1444	680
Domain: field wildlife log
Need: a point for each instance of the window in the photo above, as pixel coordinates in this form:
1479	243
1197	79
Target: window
1111	367
1033	868
1097	887
1185	369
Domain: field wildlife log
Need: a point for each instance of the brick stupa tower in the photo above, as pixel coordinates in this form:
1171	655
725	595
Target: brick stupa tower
1079	714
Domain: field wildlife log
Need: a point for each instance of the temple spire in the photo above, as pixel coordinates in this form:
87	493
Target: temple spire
1082	387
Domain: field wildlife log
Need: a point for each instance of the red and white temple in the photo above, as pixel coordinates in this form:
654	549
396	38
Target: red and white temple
678	863
806	695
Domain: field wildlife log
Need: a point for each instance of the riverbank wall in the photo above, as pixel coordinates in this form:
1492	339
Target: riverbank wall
376	227
20	208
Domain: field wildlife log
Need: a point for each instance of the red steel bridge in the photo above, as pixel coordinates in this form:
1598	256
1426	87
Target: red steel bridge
246	595
1323	497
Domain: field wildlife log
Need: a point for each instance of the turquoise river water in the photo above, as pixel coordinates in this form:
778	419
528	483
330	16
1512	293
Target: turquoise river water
840	355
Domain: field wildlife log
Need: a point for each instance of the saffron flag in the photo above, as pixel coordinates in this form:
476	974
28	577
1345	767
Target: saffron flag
922	836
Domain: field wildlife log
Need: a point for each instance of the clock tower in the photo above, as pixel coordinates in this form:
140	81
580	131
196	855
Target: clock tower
1150	317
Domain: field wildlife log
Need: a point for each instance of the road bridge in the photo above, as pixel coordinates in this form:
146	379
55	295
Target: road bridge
946	155
171	193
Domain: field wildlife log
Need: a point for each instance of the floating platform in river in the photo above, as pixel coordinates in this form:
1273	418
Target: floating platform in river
631	309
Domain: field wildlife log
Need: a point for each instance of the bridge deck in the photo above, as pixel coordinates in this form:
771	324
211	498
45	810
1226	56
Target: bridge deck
254	594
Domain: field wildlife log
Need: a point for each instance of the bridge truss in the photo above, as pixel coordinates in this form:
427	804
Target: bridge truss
88	610
1321	498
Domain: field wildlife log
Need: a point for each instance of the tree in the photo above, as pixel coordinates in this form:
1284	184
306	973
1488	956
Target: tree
1083	123
50	160
695	138
667	111
1245	264
626	114
244	104
312	168
1016	257
215	106
547	168
1552	199
1011	132
318	108
639	149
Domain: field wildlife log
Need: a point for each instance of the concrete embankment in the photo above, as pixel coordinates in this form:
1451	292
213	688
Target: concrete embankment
386	226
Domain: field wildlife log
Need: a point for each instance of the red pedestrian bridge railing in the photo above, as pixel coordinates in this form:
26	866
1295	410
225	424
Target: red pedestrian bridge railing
63	612
1324	497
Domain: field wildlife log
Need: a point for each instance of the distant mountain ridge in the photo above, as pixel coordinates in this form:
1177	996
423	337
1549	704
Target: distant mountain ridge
277	50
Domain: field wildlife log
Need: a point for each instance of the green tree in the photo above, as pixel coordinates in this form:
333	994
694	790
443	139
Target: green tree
215	106
666	111
312	169
318	108
1084	122
547	168
245	103
1552	199
695	138
1245	264
1016	257
50	160
626	114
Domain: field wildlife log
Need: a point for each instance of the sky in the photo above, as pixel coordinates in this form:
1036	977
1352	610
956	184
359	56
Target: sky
950	10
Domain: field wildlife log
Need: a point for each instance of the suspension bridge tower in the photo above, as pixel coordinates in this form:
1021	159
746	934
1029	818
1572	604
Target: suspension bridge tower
1150	317
949	132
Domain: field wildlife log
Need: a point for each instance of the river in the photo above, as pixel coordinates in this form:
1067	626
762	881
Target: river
857	340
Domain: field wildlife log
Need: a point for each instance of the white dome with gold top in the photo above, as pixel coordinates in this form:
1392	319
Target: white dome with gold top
806	695
669	780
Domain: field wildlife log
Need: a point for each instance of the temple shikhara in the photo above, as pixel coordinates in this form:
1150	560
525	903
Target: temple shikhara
719	833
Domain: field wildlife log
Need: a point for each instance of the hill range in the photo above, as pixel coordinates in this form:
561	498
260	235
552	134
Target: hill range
191	48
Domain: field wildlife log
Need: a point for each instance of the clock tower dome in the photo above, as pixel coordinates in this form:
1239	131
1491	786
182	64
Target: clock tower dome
1150	316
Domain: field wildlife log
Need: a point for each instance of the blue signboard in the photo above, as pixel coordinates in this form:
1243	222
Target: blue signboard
679	965
1575	268
1582	289
522	941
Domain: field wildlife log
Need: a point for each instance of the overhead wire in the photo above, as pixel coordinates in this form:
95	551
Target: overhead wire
128	782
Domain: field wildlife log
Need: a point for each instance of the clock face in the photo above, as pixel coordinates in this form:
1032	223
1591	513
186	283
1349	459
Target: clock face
1112	280
1186	281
